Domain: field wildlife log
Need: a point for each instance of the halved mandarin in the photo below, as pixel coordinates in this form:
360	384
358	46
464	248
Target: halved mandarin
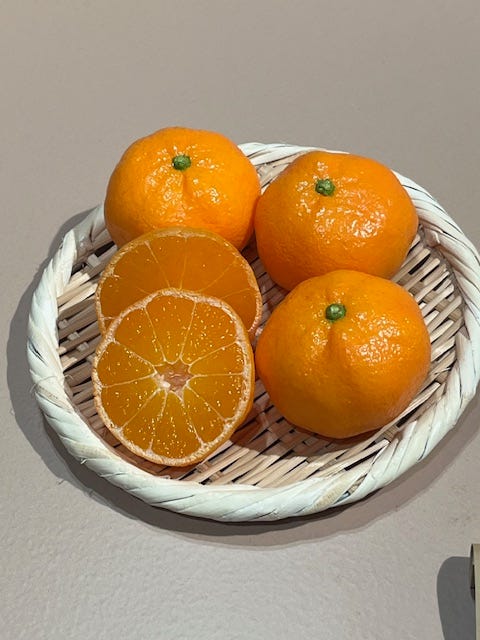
173	376
183	258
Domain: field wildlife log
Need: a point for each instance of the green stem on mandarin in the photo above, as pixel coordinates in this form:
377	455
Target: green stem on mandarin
181	162
335	311
325	187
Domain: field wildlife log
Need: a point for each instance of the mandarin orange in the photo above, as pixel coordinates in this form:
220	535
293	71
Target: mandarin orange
173	377
182	177
329	211
183	258
344	353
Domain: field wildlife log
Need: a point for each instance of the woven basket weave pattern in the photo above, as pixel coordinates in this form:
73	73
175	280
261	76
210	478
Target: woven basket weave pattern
269	470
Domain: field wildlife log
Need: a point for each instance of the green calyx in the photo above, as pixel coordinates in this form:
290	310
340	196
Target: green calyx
335	311
325	187
181	162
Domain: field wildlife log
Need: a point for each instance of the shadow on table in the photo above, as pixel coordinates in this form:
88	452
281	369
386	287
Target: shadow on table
285	532
20	384
455	600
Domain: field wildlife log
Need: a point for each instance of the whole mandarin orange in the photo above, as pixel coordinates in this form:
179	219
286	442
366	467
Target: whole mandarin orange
330	210
182	177
344	353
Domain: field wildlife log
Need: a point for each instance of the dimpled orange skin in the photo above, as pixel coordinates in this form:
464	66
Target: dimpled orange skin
217	192
367	225
349	376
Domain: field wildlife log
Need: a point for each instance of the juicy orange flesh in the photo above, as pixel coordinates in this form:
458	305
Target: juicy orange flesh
173	376
197	263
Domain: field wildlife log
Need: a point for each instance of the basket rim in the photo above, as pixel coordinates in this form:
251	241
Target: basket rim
242	502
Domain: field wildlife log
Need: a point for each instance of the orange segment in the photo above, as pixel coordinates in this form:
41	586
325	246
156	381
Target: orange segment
173	376
171	318
122	365
208	422
176	436
219	391
179	257
207	334
137	333
141	429
224	360
127	399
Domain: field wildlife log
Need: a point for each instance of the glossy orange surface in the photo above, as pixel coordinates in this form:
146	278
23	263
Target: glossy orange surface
151	187
365	221
346	376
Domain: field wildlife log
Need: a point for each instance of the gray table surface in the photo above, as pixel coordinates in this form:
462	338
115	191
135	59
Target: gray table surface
81	80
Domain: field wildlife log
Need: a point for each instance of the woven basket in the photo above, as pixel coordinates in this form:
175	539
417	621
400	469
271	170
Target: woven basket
268	470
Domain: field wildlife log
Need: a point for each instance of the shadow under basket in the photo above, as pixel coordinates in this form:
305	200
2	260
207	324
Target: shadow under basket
269	470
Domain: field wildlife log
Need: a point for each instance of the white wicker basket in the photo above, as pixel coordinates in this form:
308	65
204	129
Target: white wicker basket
269	470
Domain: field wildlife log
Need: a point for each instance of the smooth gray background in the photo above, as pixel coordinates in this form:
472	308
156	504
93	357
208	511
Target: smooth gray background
397	81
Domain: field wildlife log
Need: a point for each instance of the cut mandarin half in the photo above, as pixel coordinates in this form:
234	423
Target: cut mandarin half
183	258
173	376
